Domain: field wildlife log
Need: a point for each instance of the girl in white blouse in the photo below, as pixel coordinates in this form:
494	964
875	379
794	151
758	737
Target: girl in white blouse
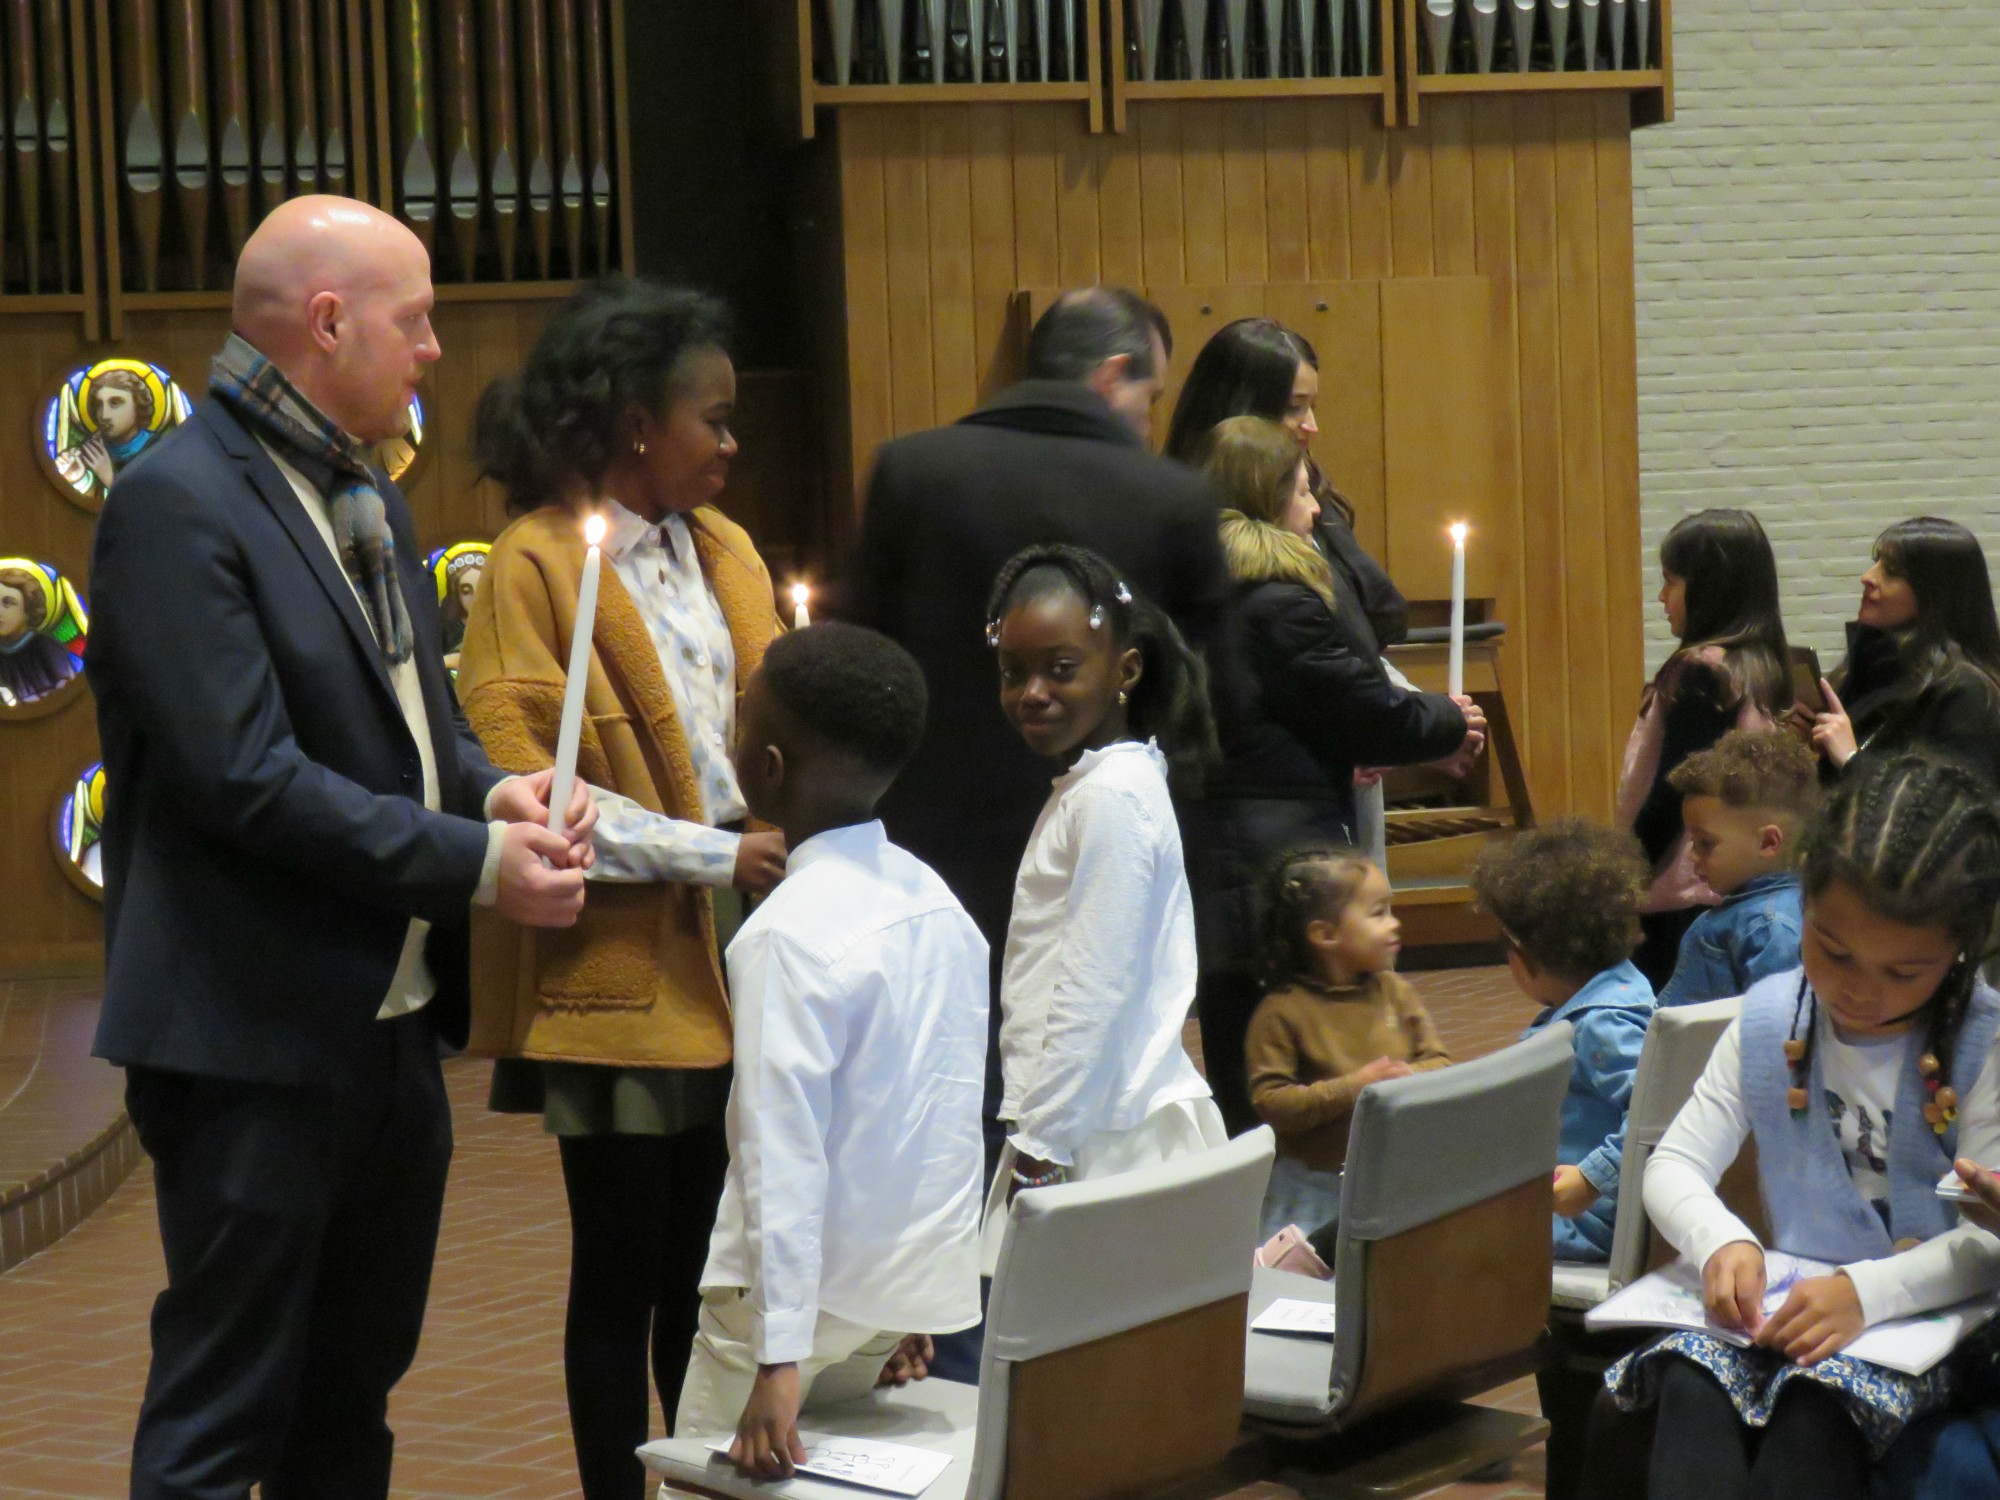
1860	1078
1099	967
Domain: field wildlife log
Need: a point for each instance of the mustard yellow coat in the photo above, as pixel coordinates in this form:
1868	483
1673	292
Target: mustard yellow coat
637	982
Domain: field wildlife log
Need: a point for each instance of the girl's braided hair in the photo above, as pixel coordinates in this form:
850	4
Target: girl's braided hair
1305	885
1170	702
1918	840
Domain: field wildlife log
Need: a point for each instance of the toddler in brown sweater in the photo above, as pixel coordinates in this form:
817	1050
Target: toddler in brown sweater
1337	1019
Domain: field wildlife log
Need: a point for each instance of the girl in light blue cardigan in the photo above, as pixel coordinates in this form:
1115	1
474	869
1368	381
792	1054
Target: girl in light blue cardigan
1566	896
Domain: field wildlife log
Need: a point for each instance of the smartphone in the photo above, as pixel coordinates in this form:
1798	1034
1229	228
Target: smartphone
1805	680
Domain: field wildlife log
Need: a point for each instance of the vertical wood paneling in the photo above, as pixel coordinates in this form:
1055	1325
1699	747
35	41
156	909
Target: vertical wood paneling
1122	257
1410	205
1162	222
905	185
1326	193
1203	194
1077	262
1449	122
948	186
991	178
1619	408
1582	458
1502	226
1286	212
864	216
1547	656
1245	226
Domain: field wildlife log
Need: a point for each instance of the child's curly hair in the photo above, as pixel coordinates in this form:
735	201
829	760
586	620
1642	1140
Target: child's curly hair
1767	769
1566	895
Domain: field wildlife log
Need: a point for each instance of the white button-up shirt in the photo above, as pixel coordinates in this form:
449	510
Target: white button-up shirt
860	1000
1099	969
660	569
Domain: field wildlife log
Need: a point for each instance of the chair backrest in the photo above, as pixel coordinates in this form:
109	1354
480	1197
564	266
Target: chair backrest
1678	1041
1114	1336
1442	1259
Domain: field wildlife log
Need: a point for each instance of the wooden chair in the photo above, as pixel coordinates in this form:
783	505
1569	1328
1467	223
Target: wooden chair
1113	1361
1441	1269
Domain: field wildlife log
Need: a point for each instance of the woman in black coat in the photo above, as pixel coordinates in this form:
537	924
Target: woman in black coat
1923	655
1302	700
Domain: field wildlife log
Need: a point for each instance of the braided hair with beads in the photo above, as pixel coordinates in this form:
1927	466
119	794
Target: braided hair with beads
1918	840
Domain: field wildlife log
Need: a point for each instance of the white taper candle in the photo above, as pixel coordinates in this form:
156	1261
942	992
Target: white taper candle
1455	668
801	616
570	734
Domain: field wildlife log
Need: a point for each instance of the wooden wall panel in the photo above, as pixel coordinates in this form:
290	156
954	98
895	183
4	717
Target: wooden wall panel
1219	209
43	918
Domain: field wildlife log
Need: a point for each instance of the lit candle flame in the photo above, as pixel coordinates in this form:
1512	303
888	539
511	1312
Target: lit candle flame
1458	530
594	529
801	594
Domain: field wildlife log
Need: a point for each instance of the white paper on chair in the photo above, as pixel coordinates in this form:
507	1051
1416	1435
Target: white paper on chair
1671	1298
1292	1315
892	1468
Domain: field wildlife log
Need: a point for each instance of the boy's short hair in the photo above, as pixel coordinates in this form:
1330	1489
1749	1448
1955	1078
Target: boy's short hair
852	688
1566	895
1769	769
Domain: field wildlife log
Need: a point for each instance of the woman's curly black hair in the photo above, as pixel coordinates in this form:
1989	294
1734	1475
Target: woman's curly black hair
1170	703
617	345
1566	895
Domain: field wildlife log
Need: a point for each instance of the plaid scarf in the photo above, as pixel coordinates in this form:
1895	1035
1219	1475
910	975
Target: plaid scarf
258	392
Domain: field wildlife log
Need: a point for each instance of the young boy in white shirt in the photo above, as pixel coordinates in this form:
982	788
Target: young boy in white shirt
850	1217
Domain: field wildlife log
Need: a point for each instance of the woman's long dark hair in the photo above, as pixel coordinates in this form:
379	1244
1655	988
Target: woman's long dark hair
616	346
1247	369
1956	627
1725	560
1170	703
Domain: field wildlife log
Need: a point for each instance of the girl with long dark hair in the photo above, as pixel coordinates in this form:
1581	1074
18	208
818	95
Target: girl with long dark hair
1099	970
1923	655
1731	670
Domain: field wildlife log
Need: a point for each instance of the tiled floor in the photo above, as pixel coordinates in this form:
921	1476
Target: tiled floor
481	1417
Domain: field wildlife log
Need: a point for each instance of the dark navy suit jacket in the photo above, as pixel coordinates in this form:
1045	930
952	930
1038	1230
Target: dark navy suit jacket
265	839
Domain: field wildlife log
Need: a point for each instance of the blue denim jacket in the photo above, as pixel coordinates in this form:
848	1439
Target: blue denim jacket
1751	936
1610	1015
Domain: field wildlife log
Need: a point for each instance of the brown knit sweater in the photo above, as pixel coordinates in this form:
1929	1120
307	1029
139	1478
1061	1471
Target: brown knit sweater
1306	1044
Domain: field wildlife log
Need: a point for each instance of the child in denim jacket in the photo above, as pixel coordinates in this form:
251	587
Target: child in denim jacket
1566	896
1745	803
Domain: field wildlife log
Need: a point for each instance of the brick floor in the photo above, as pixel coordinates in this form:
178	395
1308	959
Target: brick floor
482	1416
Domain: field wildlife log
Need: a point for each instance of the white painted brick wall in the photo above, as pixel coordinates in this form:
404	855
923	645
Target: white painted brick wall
1819	284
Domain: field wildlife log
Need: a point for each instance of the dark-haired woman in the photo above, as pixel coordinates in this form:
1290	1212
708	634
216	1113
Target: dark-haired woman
1302	699
1731	670
618	1034
1255	367
1923	655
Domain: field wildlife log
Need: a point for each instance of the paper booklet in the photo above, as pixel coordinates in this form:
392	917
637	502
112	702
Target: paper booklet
1951	1187
1292	1315
1671	1298
892	1468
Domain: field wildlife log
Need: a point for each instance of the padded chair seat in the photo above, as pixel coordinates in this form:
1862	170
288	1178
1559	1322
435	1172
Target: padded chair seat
1287	1378
941	1415
1579	1284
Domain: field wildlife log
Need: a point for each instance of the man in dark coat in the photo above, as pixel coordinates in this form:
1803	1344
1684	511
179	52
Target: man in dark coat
1060	457
297	822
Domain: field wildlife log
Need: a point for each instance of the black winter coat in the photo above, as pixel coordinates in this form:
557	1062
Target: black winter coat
1957	716
1301	700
